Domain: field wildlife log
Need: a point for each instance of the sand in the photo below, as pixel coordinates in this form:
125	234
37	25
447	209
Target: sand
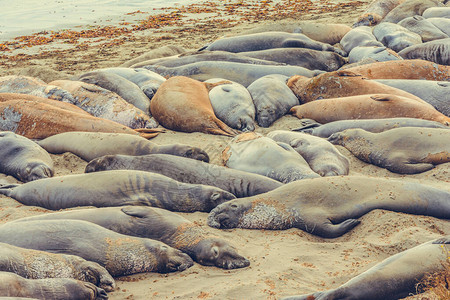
283	263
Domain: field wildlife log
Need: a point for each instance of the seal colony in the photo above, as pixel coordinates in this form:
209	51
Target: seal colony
356	218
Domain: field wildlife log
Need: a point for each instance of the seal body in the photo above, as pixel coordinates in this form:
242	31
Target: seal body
162	225
239	183
119	254
163	51
359	37
437	12
321	155
315	205
376	11
372	52
423	27
406	150
124	188
254	153
409	9
437	51
23	158
395	36
442	23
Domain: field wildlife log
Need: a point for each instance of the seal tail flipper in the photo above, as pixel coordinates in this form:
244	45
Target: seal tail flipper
148	133
6	189
303	128
329	230
410	168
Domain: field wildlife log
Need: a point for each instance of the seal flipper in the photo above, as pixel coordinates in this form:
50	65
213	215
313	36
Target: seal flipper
444	240
327	229
135	211
6	189
399	165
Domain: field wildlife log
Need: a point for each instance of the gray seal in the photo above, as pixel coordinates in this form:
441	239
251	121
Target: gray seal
437	12
405	150
35	264
374	53
360	36
396	37
272	98
321	155
317	207
239	183
442	23
162	225
118	253
251	152
410	8
393	278
423	27
23	158
437	51
90	145
117	188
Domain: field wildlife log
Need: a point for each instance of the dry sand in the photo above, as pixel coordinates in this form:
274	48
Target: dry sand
282	262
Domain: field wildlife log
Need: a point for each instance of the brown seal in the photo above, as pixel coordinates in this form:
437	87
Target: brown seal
182	104
376	11
371	106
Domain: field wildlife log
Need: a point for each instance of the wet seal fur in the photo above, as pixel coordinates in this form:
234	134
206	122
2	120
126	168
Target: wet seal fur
317	206
162	225
402	150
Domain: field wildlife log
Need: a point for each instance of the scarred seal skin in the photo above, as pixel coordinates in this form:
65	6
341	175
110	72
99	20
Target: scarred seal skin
405	150
119	254
437	51
394	278
316	206
162	225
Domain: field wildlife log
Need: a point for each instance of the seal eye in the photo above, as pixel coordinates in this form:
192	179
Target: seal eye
234	206
215	196
215	251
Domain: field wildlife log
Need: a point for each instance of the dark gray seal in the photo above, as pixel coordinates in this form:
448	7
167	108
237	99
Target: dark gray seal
162	225
374	53
394	278
118	253
396	37
405	150
423	27
269	40
117	188
13	285
372	125
90	145
410	8
321	155
23	158
272	98
251	152
437	51
239	183
359	37
35	264
328	206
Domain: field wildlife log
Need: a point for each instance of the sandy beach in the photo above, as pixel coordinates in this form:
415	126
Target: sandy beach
283	263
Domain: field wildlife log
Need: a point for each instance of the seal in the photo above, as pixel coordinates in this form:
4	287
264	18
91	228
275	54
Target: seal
126	188
359	37
404	69
315	205
373	125
35	264
90	145
233	104
423	27
442	23
251	152
393	278
410	8
23	158
372	52
162	225
376	11
396	37
13	285
119	254
321	155
163	51
405	150
269	40
103	103
239	183
340	84
183	104
437	12
437	51
36	120
371	106
434	92
272	98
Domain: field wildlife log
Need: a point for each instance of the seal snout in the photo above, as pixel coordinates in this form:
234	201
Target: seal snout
197	154
37	172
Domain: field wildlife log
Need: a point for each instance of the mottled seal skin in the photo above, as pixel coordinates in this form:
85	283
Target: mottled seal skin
434	92
437	12
233	104
406	150
321	155
90	145
125	187
251	152
423	27
272	98
269	40
35	264
371	125
317	207
370	106
372	52
23	158
410	8
442	23
376	11
239	183
306	58
396	37
162	225
118	253
394	278
437	51
359	37
13	285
